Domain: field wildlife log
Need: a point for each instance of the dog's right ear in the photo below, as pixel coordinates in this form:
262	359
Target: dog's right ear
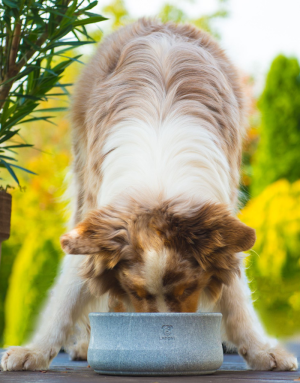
103	232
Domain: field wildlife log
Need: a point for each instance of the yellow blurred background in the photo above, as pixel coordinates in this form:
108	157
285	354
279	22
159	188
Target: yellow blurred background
270	195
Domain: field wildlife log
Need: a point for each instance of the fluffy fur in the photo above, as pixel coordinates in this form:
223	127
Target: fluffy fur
158	117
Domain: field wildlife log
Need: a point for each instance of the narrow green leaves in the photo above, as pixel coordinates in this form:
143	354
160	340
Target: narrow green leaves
38	33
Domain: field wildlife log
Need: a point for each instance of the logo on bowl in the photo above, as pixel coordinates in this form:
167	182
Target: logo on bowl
167	332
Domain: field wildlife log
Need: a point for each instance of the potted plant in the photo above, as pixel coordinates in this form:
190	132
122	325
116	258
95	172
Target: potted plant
35	40
5	213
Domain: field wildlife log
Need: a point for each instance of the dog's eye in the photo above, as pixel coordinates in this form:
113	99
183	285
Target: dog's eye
190	290
136	295
185	291
179	291
141	294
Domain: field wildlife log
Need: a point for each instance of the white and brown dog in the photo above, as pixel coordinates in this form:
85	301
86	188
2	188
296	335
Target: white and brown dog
158	119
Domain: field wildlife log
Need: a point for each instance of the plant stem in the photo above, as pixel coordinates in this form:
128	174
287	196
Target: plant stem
15	45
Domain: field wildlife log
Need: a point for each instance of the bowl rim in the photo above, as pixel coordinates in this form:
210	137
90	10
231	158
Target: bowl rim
126	314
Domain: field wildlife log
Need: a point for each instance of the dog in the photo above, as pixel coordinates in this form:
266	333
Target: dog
158	118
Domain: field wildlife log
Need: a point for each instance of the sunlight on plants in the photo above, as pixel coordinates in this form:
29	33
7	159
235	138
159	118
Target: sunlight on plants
273	266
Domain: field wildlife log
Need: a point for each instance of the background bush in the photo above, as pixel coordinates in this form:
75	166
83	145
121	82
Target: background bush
278	151
273	266
37	226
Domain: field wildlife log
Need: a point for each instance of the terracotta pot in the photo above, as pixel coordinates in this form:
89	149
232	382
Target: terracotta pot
5	213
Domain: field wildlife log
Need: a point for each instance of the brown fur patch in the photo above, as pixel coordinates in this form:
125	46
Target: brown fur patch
202	243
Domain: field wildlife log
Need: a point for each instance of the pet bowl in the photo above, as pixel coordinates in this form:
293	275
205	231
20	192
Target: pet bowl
155	343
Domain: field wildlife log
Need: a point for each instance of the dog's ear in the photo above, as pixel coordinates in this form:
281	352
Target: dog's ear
102	232
238	237
212	227
208	227
212	236
216	236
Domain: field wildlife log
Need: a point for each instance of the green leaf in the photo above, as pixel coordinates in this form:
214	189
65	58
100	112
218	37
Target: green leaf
37	119
91	14
17	146
90	6
90	20
45	69
5	111
32	44
72	58
70	43
59	85
18	117
28	96
63	32
72	8
55	12
8	158
9	80
8	135
25	170
12	173
58	109
64	64
55	94
11	4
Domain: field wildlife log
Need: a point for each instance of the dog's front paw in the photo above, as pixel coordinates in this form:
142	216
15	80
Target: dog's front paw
25	358
266	358
78	351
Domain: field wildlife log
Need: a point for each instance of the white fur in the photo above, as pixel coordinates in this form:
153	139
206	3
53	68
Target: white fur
154	269
177	158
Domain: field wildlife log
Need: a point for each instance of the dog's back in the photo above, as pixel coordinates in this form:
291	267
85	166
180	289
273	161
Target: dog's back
158	106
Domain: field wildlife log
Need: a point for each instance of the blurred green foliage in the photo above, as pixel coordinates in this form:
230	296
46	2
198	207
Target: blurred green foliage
33	252
273	266
273	173
206	22
168	12
118	13
278	150
36	213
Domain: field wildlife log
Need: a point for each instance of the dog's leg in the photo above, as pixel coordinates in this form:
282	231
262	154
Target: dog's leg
77	346
245	331
69	298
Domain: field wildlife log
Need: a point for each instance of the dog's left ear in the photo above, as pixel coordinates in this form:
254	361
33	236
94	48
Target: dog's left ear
212	236
102	232
236	235
212	227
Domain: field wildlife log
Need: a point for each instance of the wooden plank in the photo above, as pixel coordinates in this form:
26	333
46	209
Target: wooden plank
63	370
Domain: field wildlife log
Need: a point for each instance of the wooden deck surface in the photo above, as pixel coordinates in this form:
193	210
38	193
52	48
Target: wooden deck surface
234	370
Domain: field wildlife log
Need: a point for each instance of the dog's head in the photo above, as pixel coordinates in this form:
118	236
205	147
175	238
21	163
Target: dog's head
160	259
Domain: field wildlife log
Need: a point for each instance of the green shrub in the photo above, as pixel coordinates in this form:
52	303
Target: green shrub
38	220
33	273
278	150
274	264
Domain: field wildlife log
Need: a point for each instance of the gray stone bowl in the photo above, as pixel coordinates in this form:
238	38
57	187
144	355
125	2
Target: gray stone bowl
155	343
